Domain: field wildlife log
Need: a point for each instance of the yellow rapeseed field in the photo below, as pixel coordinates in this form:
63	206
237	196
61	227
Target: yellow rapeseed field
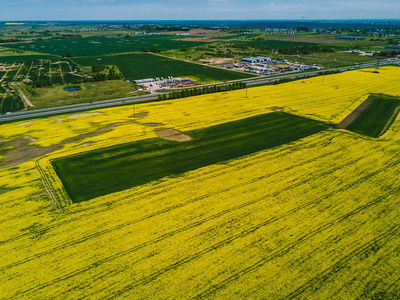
318	218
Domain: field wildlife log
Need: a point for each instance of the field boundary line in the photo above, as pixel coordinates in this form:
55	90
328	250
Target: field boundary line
394	115
55	203
353	115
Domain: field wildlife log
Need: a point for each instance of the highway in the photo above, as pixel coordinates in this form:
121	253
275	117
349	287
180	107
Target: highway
37	113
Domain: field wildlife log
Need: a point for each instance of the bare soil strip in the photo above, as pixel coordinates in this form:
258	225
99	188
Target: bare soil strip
141	115
18	151
153	124
350	118
24	98
22	152
173	135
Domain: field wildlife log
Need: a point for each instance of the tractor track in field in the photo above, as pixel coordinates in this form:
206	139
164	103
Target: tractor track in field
165	210
394	286
280	252
289	247
220	244
342	262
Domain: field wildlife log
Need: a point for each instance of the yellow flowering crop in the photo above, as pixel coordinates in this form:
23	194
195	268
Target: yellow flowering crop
314	219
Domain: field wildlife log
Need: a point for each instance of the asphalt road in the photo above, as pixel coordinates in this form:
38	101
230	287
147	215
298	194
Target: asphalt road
23	115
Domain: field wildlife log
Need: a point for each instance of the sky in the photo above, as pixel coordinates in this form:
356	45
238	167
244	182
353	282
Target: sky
43	10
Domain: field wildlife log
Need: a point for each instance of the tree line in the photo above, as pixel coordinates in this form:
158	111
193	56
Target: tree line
202	91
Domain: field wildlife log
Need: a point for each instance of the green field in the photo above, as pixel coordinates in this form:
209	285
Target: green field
9	100
143	65
90	91
278	44
56	71
21	58
113	169
103	45
374	118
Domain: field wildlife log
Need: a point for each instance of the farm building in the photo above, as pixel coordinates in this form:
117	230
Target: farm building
263	59
251	60
139	81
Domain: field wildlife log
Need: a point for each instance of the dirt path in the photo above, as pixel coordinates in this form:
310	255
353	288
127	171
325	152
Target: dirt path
16	75
29	71
350	118
70	67
51	78
8	70
61	73
40	70
24	98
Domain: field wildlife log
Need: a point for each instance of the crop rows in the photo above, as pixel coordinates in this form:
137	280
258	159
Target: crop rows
320	213
55	71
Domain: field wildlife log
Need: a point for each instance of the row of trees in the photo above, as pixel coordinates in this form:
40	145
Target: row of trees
287	79
67	55
201	91
152	50
42	83
103	73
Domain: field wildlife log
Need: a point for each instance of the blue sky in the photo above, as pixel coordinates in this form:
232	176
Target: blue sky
197	9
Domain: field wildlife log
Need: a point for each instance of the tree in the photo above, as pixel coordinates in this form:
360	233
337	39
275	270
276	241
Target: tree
69	55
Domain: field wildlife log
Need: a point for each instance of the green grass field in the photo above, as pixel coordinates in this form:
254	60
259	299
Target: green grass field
142	65
278	44
22	58
90	91
103	45
113	169
374	118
